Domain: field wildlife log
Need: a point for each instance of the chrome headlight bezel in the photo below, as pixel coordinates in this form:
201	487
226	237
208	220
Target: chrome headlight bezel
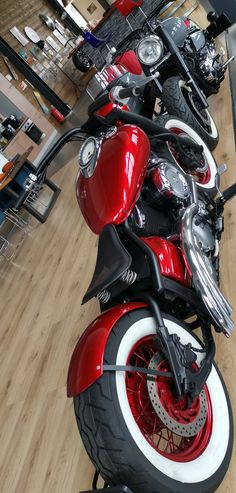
156	40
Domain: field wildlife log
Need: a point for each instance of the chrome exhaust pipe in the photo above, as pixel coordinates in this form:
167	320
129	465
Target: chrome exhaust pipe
203	281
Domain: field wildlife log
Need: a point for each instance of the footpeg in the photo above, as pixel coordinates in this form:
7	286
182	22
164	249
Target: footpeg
231	59
114	489
106	488
222	169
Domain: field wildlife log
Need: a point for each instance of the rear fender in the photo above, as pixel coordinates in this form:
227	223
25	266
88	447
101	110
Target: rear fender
86	365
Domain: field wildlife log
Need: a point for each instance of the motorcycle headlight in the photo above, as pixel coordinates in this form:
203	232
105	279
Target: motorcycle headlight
150	50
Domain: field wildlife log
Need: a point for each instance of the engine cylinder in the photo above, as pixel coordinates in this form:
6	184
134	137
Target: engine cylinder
169	186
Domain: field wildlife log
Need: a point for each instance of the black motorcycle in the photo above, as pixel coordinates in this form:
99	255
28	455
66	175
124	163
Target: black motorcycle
187	64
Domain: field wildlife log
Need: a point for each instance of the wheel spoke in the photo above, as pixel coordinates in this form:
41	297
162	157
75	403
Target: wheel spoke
154	426
140	357
162	439
145	396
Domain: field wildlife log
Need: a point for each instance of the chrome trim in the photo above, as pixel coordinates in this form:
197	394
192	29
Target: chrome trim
167	184
88	169
153	68
203	281
103	296
109	133
225	65
152	37
129	277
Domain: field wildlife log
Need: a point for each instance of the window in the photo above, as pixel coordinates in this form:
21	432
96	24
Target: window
74	13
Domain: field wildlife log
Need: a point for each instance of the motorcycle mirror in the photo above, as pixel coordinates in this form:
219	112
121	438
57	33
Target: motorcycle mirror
212	16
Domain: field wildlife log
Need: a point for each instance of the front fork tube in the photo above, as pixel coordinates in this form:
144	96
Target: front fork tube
183	67
184	379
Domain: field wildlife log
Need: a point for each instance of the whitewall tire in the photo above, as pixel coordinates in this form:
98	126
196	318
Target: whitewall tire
172	123
112	435
181	101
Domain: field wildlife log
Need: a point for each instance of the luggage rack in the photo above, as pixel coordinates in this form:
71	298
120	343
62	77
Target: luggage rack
40	206
23	198
13	232
7	250
106	488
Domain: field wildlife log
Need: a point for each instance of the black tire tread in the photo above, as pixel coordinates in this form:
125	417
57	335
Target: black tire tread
79	63
175	104
105	437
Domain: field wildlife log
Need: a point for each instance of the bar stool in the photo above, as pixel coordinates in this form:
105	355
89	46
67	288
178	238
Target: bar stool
125	7
95	41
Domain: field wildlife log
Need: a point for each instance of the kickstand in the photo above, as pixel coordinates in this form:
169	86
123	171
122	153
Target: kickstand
111	489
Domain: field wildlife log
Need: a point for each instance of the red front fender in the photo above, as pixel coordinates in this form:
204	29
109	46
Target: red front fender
86	364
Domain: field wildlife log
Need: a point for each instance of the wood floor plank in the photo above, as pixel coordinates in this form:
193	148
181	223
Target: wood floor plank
41	292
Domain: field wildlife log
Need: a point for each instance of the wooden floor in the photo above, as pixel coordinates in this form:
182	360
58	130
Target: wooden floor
41	319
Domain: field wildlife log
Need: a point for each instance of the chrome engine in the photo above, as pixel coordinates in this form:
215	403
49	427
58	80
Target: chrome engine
208	62
170	182
204	231
199	234
169	190
211	64
203	274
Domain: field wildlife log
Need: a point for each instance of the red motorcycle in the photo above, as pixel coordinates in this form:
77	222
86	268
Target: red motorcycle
118	84
151	406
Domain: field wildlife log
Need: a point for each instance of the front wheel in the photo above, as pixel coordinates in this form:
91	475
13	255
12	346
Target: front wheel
180	100
81	61
137	434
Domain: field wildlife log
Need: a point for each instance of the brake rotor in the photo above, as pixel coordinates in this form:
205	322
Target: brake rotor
175	414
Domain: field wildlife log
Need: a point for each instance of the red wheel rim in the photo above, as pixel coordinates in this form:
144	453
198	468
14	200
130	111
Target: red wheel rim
202	178
163	440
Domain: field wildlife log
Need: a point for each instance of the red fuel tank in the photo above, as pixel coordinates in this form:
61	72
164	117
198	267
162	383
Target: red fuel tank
109	195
